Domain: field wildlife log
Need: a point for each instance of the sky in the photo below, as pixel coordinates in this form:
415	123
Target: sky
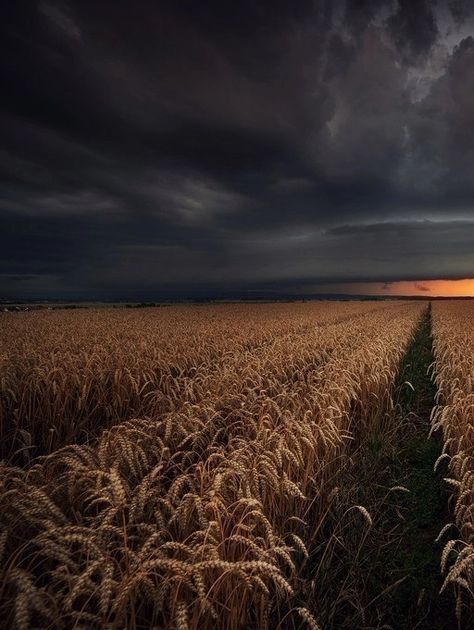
174	148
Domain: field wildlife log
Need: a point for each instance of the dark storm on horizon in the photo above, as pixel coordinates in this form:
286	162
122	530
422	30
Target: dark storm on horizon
170	149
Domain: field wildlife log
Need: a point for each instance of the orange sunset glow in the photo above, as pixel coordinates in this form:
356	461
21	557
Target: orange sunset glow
422	288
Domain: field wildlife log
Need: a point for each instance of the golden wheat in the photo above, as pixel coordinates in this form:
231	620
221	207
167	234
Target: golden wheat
205	509
453	325
67	375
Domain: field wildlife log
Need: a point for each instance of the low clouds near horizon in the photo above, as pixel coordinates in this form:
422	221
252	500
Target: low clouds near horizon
167	148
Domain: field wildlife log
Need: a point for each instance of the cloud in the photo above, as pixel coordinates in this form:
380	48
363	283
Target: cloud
413	28
461	10
273	145
421	287
61	19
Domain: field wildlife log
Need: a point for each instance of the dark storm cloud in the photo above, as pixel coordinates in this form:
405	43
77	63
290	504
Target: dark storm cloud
461	9
413	27
421	287
207	147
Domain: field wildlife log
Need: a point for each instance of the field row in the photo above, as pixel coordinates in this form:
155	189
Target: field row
453	326
205	512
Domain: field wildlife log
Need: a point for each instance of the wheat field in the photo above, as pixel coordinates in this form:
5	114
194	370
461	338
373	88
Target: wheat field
175	467
453	325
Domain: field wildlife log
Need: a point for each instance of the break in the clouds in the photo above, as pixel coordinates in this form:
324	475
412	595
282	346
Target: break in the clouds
180	148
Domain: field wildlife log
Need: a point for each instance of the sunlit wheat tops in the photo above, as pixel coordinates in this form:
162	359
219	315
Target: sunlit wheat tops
201	511
453	330
66	375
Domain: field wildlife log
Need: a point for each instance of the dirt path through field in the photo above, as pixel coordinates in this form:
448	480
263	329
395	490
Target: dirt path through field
415	559
388	575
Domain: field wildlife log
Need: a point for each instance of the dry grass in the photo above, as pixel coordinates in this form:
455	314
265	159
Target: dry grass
204	510
453	325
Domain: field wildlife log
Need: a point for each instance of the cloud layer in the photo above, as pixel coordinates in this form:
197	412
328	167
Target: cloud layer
167	148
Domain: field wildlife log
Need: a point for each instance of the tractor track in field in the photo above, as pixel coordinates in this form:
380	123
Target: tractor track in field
388	576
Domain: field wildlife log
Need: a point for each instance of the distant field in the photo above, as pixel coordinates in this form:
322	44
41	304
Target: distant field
238	465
